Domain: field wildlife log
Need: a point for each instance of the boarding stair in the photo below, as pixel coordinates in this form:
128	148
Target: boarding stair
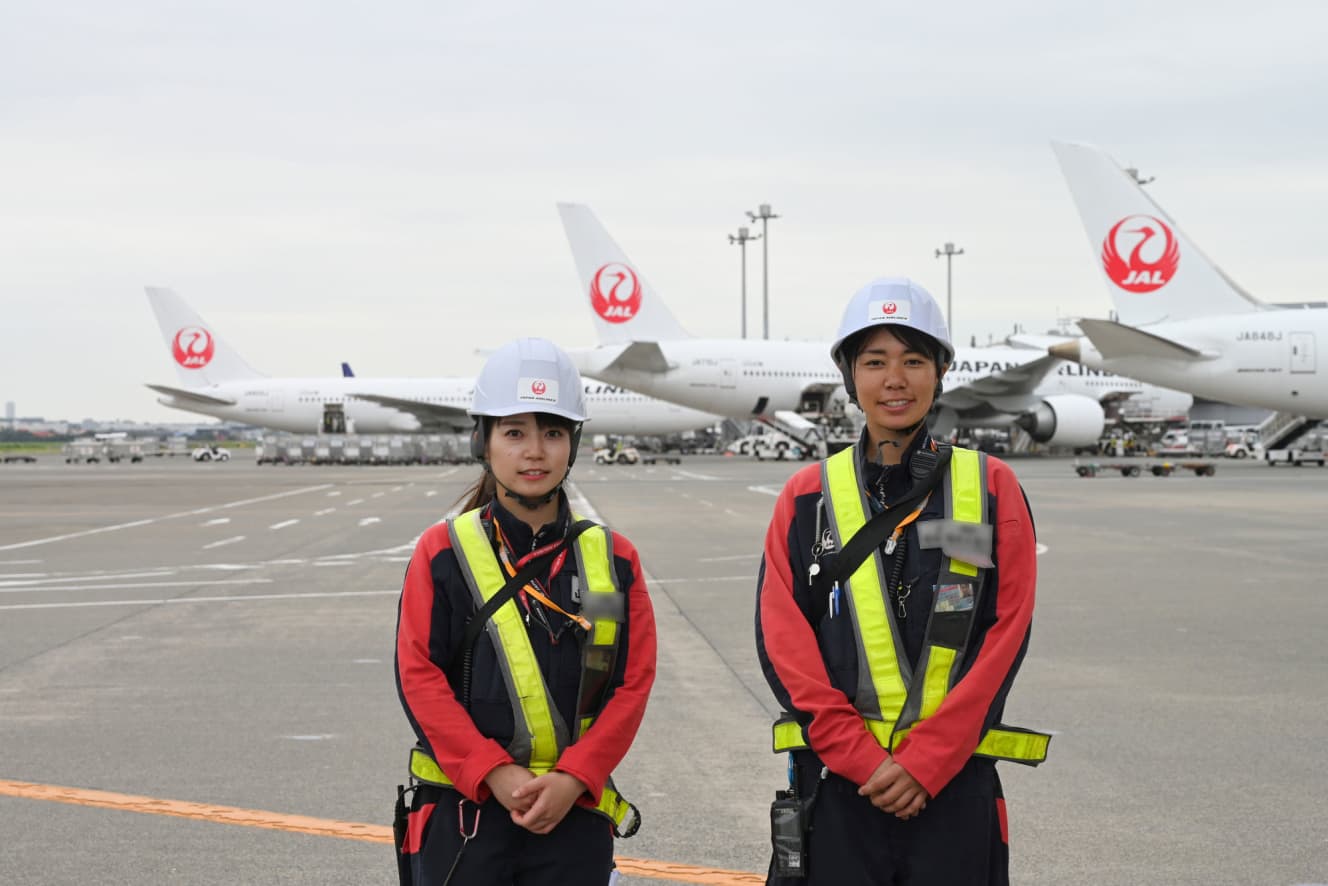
1281	429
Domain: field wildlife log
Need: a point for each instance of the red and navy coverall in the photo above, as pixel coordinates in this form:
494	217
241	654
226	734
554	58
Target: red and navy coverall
469	743
810	661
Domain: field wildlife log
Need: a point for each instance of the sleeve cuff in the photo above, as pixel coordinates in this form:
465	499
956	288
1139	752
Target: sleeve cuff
476	767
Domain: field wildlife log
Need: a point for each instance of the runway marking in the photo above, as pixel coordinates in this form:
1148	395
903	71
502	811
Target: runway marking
32	583
378	495
693	475
151	520
333	494
1041	549
283	524
19	562
431	493
369	521
355	502
225	541
326	827
765	490
324	511
13	575
237	598
217	522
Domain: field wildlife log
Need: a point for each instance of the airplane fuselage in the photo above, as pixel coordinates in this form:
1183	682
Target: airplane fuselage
1265	358
298	405
744	378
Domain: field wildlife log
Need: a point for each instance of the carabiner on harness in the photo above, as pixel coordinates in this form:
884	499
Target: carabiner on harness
465	837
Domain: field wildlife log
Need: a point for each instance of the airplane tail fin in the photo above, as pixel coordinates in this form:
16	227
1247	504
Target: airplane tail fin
624	306
201	358
1154	272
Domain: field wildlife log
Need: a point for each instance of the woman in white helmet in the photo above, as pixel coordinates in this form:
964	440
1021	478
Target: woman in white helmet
893	611
525	653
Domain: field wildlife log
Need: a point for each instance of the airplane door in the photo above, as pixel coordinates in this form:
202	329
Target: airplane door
1302	352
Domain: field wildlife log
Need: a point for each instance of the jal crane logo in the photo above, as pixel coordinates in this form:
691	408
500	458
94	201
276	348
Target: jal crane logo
538	388
889	309
1150	249
193	347
615	292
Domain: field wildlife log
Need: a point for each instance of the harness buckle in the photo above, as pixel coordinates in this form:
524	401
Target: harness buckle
631	829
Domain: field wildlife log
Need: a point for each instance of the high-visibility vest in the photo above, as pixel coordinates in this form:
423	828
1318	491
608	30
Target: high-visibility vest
541	734
892	696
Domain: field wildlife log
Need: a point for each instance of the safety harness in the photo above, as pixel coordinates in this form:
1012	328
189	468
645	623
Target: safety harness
892	696
540	734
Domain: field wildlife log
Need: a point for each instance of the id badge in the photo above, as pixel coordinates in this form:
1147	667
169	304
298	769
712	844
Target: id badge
954	598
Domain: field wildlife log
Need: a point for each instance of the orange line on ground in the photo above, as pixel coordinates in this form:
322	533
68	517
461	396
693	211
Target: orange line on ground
326	827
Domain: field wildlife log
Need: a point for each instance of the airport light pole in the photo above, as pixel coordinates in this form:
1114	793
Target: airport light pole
764	214
742	238
949	252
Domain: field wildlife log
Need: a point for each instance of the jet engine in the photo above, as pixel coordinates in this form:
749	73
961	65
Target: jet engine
1064	420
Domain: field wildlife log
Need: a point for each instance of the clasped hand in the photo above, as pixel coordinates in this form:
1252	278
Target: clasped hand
536	802
891	789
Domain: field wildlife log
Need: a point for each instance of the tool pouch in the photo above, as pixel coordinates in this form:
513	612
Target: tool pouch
790	818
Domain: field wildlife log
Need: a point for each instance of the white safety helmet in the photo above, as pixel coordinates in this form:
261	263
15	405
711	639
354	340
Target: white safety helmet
529	375
890	301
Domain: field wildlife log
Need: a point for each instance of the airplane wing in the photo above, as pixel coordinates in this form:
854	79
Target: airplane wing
433	417
1009	390
1118	340
643	356
191	396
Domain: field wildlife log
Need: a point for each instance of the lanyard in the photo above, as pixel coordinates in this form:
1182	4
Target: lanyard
893	540
533	588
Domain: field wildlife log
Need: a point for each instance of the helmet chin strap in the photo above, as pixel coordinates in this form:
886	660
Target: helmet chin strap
526	501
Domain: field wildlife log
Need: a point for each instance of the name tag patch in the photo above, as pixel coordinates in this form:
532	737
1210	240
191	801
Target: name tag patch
967	542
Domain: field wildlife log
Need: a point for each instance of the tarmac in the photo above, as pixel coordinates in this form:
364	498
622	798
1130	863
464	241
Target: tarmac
196	678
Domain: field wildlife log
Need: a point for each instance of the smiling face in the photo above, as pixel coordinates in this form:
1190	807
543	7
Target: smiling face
896	383
528	455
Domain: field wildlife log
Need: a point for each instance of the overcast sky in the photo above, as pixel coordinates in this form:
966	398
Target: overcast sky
376	182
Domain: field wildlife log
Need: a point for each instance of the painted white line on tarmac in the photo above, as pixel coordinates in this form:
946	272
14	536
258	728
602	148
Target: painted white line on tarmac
324	511
333	494
431	493
694	475
326	563
224	599
12	575
765	490
151	520
378	495
140	585
449	472
369	521
19	562
225	541
577	499
355	502
1041	549
33	583
217	522
283	524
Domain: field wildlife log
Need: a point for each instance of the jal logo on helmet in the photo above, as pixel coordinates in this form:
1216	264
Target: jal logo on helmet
193	347
1140	253
615	292
537	390
893	309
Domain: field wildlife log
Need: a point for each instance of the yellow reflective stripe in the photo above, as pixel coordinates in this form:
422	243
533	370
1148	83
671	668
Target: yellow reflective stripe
597	561
515	642
878	642
936	682
965	497
1022	747
586	723
788	736
425	768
